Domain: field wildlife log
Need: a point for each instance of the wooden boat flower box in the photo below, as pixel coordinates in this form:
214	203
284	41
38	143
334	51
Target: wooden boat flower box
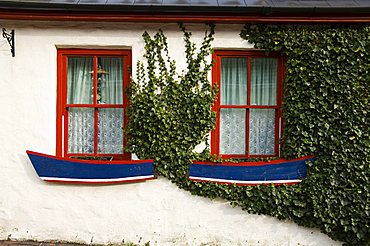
57	169
280	171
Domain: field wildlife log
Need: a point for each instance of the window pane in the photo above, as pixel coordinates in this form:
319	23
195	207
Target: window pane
262	131
234	81
263	81
110	131
80	130
110	80
80	80
232	131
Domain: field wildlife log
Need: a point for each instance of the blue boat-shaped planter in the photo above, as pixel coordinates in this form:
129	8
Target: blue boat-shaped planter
57	169
251	173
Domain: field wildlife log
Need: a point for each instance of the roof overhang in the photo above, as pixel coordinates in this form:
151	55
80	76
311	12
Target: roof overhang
34	10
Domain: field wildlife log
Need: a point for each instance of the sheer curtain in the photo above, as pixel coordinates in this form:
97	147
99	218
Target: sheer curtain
80	90
112	81
263	81
233	92
263	92
80	84
80	80
110	123
234	81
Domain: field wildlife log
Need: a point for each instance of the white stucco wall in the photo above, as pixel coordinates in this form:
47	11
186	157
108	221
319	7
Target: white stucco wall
155	211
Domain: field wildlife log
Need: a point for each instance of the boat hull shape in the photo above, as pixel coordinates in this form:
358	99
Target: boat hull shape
56	169
251	173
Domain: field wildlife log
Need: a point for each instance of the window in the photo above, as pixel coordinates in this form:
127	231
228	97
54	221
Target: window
91	104
248	105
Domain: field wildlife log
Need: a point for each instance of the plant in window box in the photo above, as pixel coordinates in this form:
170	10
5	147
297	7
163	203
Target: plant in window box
97	158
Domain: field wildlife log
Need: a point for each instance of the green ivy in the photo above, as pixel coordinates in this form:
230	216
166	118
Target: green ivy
326	112
171	113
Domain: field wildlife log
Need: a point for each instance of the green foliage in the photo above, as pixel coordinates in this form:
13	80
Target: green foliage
326	112
170	113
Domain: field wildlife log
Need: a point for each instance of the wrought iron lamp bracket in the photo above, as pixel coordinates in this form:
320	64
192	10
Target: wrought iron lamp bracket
11	40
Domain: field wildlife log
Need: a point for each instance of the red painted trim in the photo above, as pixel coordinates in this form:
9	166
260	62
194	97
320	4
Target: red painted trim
243	184
277	125
228	156
96	116
59	106
249	81
70	155
248	106
279	101
99	183
65	137
215	135
276	133
127	76
93	52
64	100
121	162
126	82
101	16
247	112
247	128
256	163
215	142
95	78
283	62
62	106
95	104
255	53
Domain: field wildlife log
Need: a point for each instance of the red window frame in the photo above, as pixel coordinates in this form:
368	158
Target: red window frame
62	105
216	80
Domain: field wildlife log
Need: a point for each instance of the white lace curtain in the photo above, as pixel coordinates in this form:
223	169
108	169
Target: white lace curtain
80	90
234	92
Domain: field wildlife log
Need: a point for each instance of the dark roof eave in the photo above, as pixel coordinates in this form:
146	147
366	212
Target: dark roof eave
260	10
121	12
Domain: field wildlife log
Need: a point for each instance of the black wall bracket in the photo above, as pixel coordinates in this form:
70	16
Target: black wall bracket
11	40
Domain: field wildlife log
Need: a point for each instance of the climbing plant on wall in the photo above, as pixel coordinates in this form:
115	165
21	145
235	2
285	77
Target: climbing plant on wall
170	113
326	112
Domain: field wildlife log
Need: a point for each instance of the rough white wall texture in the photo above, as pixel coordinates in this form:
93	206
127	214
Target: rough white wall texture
155	211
